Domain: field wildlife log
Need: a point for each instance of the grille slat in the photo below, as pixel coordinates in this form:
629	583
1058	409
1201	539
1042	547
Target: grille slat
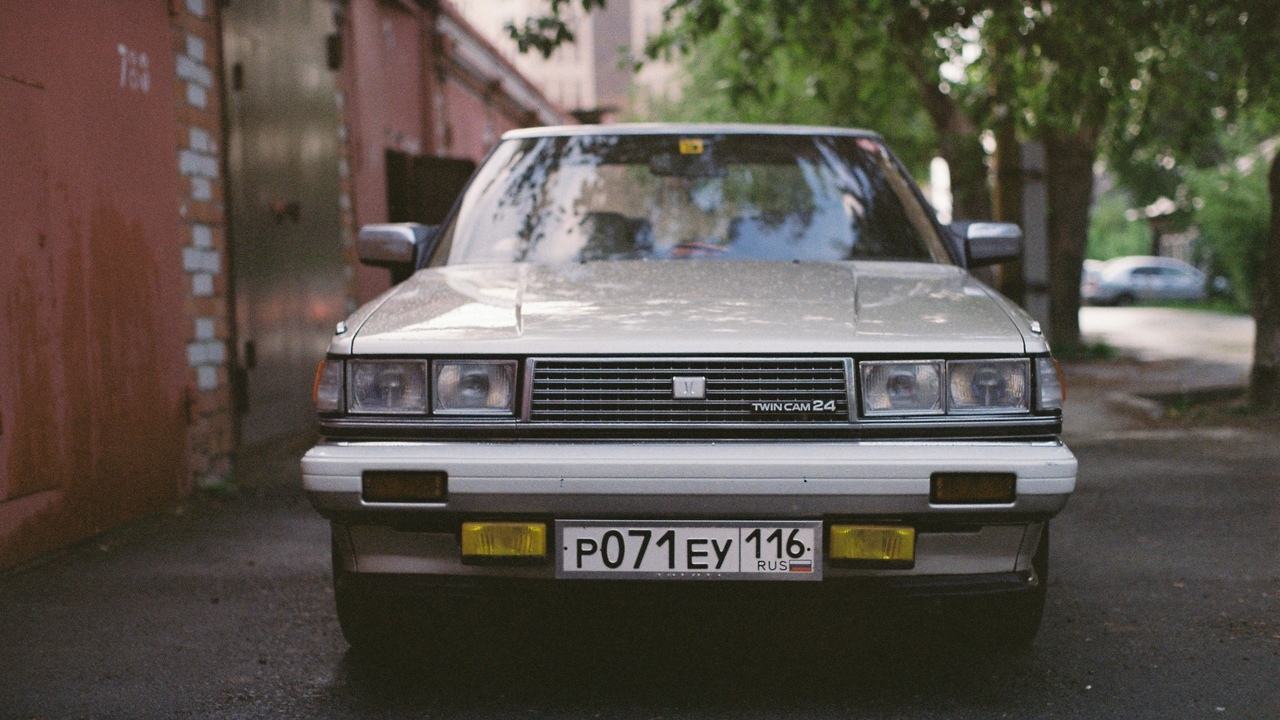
772	390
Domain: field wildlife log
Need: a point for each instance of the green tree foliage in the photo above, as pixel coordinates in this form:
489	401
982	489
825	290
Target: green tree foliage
1194	135
1135	78
1111	233
853	84
1068	70
1259	89
1230	202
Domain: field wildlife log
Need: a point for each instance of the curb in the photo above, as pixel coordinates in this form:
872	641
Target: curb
1141	407
1152	406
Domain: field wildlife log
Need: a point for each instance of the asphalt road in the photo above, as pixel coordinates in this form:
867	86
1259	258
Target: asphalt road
1164	603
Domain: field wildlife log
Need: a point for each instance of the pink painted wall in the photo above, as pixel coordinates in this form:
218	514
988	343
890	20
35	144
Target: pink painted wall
383	87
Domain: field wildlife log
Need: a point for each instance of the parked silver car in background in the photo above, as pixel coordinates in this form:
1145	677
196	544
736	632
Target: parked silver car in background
1141	278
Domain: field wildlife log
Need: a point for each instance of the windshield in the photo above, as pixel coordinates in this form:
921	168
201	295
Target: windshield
735	196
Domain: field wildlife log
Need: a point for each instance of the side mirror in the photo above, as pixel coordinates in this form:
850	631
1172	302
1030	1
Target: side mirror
396	246
989	243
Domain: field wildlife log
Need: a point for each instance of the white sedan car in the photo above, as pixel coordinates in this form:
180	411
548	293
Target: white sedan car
681	362
1140	278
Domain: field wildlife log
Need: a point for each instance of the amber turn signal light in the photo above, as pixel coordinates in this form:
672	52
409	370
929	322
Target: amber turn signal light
404	486
968	488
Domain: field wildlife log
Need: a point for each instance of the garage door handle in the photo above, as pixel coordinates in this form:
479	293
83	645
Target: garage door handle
282	209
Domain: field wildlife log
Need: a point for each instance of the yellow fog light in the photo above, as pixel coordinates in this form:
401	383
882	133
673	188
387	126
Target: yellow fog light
881	546
503	542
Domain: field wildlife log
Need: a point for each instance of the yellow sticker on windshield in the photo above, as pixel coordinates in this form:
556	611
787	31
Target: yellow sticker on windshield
691	146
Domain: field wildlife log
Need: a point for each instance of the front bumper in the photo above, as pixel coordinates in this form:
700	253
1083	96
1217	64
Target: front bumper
869	480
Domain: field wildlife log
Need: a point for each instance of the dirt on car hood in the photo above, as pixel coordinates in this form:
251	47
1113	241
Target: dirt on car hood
691	307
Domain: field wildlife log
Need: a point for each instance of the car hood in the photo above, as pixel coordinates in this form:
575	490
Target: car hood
689	306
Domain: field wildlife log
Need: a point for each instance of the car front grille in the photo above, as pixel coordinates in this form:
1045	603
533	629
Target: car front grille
642	390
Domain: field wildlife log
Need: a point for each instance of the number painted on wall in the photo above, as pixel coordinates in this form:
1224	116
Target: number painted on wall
135	69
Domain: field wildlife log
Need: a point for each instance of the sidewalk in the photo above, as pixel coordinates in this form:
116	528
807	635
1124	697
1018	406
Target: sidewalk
1169	360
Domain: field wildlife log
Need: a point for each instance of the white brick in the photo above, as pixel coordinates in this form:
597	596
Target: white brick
194	163
202	235
198	140
197	96
197	260
205	328
206	378
206	352
202	285
195	47
201	189
196	7
192	70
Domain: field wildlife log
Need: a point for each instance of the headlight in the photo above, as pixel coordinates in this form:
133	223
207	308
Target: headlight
981	386
485	387
327	390
388	387
902	388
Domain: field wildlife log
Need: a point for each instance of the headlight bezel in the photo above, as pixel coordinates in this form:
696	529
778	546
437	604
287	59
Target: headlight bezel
1037	400
347	371
1028	371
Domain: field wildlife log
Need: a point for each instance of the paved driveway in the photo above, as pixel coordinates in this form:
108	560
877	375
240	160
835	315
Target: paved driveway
1164	603
1222	344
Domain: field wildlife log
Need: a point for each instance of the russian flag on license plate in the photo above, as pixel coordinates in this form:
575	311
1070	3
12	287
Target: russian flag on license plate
800	566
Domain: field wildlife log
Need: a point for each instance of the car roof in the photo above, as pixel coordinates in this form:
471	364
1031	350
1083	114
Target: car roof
1135	261
685	129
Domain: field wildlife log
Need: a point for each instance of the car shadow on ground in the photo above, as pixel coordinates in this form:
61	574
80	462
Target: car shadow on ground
679	663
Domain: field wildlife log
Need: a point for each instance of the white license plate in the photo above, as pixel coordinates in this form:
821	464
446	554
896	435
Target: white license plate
689	550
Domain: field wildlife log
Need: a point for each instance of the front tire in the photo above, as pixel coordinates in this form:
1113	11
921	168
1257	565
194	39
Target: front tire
1013	621
1006	622
368	623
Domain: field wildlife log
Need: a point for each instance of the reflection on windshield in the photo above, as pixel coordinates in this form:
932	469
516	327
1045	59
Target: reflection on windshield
757	197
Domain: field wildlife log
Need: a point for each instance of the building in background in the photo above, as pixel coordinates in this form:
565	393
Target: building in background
181	196
585	76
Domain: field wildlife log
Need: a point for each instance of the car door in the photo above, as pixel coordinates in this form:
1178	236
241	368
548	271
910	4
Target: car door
1183	285
1144	283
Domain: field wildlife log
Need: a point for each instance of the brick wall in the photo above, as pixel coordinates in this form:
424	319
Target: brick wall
211	415
346	204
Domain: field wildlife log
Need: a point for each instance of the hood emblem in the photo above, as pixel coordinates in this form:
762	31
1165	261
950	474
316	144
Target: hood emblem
689	388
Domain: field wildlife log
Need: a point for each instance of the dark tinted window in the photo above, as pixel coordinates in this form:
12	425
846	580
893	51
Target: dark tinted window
758	197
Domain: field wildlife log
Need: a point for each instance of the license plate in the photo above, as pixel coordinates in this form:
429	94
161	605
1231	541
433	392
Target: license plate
689	550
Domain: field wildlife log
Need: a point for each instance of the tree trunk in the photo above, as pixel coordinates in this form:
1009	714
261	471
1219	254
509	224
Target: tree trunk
960	144
1007	206
1069	157
1264	387
959	141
